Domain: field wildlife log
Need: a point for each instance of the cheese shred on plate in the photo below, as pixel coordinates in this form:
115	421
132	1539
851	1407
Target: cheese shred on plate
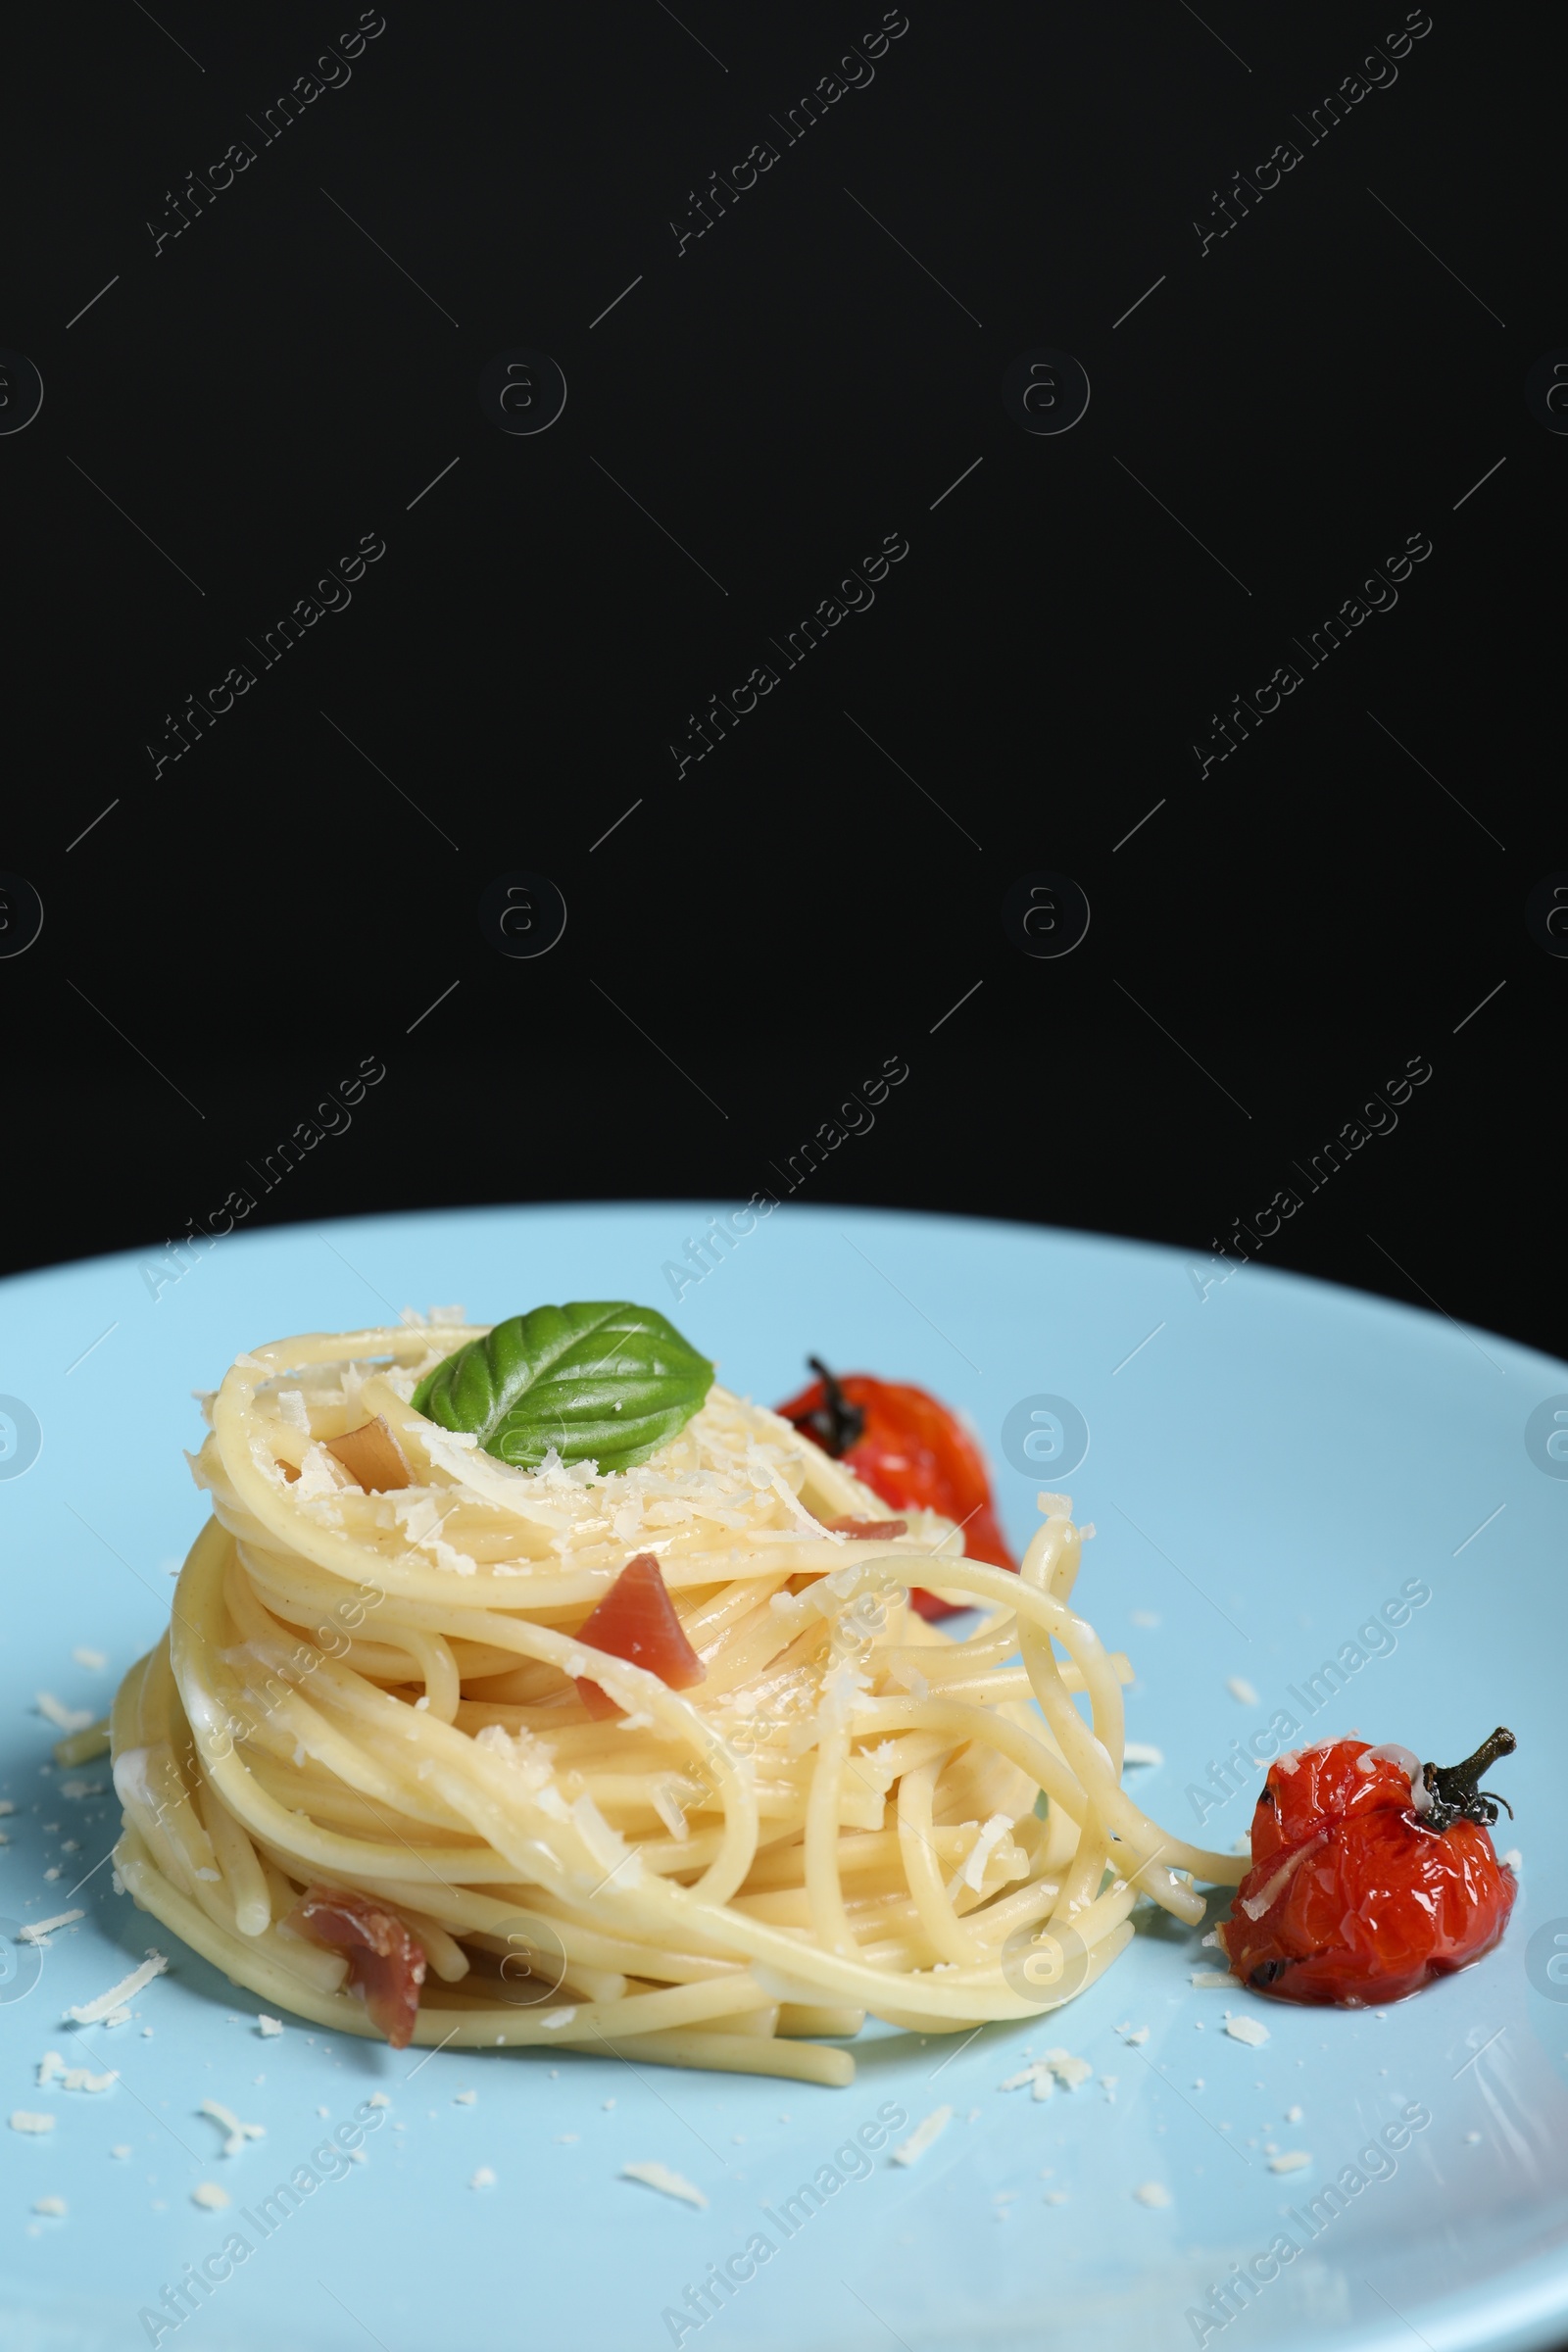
40	1930
88	2013
910	2150
669	2183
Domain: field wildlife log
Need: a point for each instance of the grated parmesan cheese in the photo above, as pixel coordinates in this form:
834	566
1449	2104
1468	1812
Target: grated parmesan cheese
93	1659
1292	2161
318	1475
63	1718
1240	1689
40	1930
22	2121
209	2196
88	2013
1213	1980
237	2132
910	2150
1153	2192
1056	2066
269	2026
1248	2030
667	2182
291	1411
485	2178
53	2206
974	1869
1254	1905
53	2068
661	1796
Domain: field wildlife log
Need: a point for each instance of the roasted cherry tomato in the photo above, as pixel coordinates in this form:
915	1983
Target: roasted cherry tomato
1371	1873
909	1448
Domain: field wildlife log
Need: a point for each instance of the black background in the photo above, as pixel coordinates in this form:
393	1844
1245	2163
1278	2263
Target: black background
750	420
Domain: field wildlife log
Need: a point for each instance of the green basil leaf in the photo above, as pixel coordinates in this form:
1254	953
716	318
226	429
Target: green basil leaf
609	1383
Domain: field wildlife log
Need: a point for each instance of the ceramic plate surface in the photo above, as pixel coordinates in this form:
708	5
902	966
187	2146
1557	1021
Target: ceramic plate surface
1269	1463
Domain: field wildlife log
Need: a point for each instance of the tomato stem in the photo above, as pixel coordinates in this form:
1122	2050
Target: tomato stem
836	1424
1455	1791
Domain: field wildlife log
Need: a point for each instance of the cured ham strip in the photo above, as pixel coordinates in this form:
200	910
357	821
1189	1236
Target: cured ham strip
636	1621
372	1457
384	1961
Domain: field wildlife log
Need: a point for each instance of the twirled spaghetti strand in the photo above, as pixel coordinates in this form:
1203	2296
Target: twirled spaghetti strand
377	1694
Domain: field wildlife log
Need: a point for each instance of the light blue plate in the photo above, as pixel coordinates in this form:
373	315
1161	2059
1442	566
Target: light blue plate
1269	1462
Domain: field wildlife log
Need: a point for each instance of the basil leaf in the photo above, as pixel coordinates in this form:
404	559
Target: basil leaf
603	1382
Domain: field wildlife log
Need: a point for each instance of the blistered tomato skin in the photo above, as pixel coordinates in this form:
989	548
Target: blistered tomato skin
1327	1784
1354	1898
911	1449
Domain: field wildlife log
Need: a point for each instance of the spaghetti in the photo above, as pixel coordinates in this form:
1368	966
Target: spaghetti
368	1694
